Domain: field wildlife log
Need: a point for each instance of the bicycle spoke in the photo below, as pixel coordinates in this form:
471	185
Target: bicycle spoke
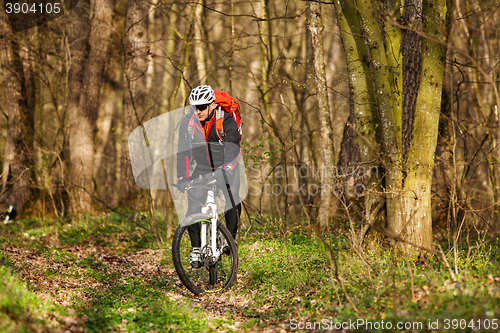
207	278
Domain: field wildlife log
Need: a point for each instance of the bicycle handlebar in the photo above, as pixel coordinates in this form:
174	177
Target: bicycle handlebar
202	181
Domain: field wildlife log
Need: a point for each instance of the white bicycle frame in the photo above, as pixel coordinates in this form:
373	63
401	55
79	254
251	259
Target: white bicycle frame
210	208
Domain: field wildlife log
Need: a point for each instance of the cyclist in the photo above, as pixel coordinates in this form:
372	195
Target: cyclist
199	142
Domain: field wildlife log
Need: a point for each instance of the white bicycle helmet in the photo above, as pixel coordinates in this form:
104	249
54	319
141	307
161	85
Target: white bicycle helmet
201	95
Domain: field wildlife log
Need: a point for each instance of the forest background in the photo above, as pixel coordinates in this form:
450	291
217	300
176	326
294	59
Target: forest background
372	120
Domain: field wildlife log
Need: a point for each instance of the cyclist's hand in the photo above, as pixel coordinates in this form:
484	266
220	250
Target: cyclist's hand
228	169
181	185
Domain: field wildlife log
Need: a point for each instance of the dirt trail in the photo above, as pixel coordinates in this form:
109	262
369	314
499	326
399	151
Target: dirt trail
47	279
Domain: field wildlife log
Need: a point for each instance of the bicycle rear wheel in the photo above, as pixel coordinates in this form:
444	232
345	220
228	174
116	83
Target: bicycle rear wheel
216	274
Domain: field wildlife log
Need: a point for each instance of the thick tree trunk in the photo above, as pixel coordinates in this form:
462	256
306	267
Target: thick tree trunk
417	196
326	205
104	137
411	51
21	116
85	115
389	110
134	92
78	47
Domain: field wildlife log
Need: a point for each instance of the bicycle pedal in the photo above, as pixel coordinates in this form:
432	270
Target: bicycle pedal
196	264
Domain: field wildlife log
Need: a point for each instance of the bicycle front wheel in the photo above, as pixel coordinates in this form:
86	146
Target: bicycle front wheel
217	272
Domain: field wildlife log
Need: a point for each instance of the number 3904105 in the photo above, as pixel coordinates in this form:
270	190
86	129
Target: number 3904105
473	324
26	8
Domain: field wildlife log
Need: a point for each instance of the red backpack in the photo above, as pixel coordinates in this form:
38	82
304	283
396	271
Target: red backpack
227	104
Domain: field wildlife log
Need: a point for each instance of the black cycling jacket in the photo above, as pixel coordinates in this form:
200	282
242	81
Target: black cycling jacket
208	152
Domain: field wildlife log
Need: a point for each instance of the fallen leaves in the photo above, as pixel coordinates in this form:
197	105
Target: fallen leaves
64	282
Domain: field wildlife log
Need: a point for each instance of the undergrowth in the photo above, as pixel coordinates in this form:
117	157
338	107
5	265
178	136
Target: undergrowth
285	274
297	281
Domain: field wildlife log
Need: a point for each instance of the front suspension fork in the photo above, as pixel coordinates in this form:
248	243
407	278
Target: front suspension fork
210	208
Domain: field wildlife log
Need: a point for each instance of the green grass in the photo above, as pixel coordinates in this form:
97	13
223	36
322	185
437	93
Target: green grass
113	232
20	309
295	280
139	306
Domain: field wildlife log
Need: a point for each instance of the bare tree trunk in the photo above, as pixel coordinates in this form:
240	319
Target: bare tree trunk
151	48
265	96
199	46
107	112
78	47
7	157
230	58
326	205
84	117
135	81
21	116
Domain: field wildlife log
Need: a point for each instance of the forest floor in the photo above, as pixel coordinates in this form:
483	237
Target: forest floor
105	274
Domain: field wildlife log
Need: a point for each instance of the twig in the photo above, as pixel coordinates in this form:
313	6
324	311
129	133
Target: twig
357	243
371	220
453	277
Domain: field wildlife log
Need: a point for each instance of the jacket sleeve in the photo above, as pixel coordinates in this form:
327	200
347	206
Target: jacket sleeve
232	142
183	148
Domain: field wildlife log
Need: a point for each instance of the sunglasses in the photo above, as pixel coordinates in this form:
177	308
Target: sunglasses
202	107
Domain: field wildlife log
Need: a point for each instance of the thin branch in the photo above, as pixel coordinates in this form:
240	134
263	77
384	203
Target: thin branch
254	17
453	277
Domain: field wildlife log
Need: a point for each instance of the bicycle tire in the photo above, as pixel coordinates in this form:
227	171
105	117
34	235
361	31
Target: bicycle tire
195	279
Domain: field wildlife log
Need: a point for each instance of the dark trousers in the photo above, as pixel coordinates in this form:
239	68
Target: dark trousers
232	215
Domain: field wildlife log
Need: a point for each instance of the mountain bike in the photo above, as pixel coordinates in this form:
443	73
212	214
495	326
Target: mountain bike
218	270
